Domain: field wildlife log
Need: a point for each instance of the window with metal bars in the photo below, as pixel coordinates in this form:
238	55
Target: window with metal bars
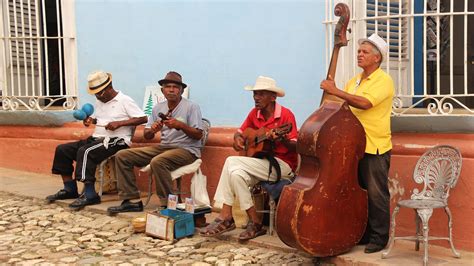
34	57
21	15
389	23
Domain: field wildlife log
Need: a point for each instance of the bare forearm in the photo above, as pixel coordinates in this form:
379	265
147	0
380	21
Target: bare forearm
359	102
192	132
135	121
353	100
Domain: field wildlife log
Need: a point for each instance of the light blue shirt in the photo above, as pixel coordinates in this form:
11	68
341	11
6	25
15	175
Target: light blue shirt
186	112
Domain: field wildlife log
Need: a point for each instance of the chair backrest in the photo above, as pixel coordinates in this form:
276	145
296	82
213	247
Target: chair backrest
206	127
438	169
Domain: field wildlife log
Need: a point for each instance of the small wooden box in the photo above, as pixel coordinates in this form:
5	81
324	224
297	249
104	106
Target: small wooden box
159	226
170	224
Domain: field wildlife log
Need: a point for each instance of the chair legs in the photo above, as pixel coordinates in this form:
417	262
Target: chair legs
422	218
419	234
425	215
271	226
150	191
102	175
450	227
179	191
392	233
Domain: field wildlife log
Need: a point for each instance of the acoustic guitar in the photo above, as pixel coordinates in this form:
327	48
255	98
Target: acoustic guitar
257	140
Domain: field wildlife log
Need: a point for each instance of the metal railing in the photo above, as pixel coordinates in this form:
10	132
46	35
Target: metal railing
37	64
428	56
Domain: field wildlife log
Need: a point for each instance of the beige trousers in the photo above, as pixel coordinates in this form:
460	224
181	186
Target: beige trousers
239	174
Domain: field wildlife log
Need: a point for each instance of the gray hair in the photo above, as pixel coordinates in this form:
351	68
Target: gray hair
374	50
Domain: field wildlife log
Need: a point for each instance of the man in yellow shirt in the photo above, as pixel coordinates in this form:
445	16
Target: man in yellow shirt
369	95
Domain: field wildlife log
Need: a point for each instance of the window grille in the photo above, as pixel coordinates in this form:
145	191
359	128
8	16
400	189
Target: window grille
37	55
431	51
393	28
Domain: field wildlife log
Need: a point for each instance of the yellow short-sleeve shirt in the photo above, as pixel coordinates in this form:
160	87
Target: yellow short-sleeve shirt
378	88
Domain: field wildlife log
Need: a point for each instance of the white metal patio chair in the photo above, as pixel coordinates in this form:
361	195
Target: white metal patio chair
438	170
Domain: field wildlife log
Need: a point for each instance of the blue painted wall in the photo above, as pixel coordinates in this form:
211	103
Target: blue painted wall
218	47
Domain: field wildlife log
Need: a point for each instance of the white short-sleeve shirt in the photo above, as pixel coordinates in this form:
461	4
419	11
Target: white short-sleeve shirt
120	108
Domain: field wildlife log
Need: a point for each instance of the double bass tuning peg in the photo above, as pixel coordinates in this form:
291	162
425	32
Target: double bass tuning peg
349	30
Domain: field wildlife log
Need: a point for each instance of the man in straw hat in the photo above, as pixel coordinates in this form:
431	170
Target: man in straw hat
180	123
369	95
239	172
115	116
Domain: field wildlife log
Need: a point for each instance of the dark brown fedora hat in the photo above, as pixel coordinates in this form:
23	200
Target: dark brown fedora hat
172	77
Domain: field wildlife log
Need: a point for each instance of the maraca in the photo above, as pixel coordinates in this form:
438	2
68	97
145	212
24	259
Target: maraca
86	110
79	114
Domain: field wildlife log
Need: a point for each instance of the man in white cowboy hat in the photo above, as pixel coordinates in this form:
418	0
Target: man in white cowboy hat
180	123
115	116
369	95
239	172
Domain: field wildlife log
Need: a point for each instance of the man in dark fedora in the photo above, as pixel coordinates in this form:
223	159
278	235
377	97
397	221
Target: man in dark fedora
115	118
180	123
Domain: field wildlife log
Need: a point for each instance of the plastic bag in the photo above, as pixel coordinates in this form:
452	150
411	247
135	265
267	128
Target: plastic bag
199	189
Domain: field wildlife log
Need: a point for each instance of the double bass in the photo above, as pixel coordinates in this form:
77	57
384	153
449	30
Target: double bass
324	211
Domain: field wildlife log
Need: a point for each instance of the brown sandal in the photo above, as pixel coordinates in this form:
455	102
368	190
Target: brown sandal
252	231
218	227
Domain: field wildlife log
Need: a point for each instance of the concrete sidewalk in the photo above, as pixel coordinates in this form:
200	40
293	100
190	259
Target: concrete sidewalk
39	186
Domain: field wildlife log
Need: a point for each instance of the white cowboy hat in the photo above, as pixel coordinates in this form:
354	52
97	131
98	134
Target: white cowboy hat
378	42
266	83
97	81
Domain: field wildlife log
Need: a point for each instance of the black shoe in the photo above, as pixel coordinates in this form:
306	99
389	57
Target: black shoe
371	248
62	194
82	201
126	206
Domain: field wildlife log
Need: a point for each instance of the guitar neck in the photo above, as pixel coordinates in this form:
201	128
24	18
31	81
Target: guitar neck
261	139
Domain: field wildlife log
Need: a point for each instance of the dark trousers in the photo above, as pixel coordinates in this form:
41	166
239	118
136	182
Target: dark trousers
87	153
373	176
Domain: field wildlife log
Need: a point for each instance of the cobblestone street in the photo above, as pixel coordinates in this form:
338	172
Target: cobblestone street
32	232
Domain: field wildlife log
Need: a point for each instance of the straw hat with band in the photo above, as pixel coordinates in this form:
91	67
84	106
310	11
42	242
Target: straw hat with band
98	81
